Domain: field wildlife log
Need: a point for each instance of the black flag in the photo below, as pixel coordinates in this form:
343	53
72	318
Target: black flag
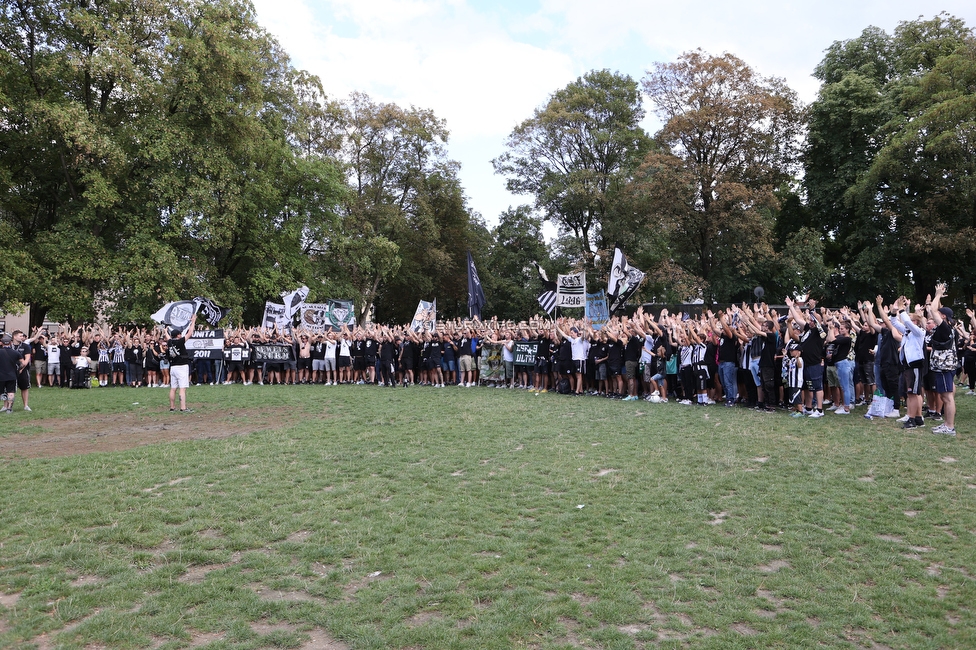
476	295
623	282
211	311
547	299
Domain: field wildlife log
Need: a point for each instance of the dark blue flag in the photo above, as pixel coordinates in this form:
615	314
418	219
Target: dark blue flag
476	295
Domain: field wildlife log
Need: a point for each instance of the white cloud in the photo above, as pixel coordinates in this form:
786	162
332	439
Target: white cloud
484	66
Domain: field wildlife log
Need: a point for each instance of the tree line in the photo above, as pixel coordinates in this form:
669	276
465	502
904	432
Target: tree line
155	150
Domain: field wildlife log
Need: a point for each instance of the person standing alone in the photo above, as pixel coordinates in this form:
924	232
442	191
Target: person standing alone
179	365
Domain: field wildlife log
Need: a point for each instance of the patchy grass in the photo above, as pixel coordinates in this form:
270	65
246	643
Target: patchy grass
355	517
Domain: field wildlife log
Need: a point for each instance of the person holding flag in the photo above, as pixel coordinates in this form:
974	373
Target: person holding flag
179	365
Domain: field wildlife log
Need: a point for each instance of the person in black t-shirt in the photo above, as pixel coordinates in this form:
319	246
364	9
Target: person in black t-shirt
943	339
11	365
179	365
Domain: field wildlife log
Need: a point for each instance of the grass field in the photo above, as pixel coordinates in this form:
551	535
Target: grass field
356	517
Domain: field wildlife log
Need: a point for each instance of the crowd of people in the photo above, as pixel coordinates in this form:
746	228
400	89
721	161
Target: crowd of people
808	360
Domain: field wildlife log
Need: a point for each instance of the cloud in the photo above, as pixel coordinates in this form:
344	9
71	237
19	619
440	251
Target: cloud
431	54
485	65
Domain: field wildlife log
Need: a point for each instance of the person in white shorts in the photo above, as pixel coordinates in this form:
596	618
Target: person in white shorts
179	366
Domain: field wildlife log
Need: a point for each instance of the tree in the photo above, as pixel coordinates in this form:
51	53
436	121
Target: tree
576	153
512	285
923	180
404	227
872	97
733	137
150	151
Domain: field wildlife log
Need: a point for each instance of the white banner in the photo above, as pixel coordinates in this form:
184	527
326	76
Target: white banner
571	290
425	318
274	316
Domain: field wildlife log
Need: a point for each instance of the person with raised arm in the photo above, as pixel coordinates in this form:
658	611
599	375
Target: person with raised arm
179	365
943	361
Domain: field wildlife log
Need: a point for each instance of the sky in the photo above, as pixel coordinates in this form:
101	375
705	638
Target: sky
485	66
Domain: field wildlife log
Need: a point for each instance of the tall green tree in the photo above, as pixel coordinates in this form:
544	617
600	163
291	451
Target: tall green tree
871	97
404	227
151	151
576	153
513	284
733	137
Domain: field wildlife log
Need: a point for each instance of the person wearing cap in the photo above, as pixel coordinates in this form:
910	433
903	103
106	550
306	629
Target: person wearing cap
942	339
179	365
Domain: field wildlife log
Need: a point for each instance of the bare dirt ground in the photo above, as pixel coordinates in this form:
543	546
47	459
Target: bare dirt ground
53	437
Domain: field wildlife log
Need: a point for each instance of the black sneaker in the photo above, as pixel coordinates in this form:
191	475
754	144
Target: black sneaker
186	410
910	424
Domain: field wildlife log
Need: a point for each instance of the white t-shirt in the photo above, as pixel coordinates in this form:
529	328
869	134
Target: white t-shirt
580	346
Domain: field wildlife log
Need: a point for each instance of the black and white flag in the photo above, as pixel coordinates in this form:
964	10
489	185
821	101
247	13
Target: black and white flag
294	300
211	311
274	316
571	290
425	318
476	295
547	299
176	314
623	282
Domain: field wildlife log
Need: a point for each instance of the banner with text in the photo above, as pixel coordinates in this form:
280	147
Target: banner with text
524	352
272	353
571	290
206	344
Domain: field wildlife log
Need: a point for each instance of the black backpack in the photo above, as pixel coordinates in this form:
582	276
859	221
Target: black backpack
562	387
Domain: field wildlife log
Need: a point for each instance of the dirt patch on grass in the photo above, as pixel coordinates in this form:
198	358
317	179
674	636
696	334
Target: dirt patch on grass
9	600
55	437
197	574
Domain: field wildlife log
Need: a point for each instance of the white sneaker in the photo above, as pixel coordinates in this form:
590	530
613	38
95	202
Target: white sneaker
903	418
971	392
816	414
893	414
686	402
831	408
709	401
27	408
842	412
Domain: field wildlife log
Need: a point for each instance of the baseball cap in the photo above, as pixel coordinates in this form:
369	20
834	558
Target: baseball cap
945	311
7	339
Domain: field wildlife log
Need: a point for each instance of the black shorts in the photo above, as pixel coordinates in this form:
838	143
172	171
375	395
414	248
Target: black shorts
9	387
118	367
541	366
701	378
613	371
359	363
305	363
343	362
234	366
911	381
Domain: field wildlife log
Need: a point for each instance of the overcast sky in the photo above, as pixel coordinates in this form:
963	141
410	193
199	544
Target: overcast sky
485	65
